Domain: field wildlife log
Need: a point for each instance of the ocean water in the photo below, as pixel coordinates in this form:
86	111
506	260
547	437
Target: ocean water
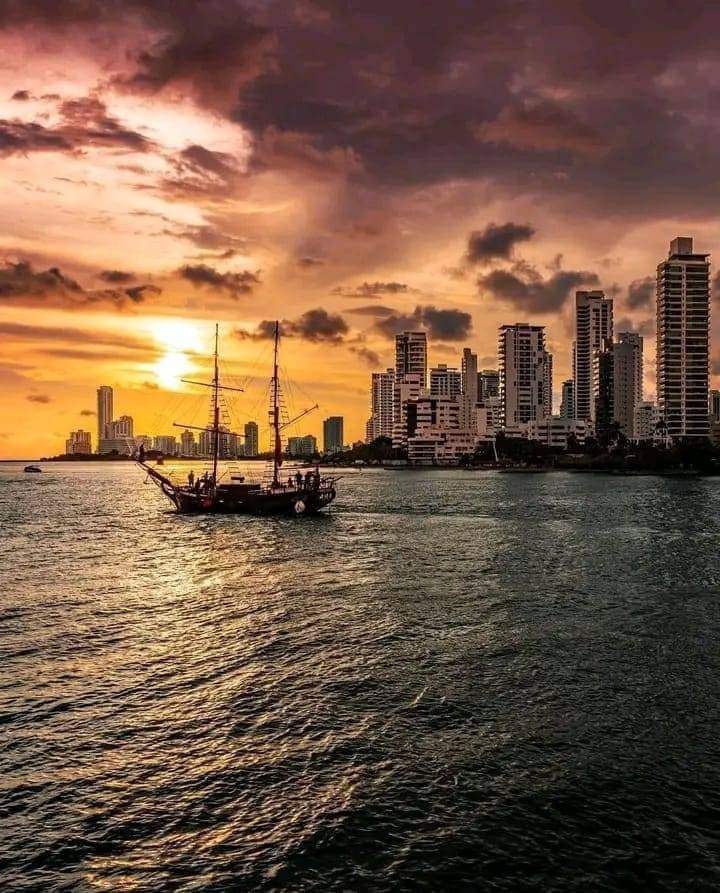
454	680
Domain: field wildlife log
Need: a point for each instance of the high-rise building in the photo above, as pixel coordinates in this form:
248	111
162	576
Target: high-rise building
683	309
122	427
488	384
187	443
604	388
628	379
406	393
411	355
104	412
333	437
78	443
302	446
445	381
251	439
469	376
525	374
567	403
166	444
380	423
593	326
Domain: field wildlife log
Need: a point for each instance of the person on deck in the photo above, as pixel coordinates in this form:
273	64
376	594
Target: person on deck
299	479
141	452
191	478
290	483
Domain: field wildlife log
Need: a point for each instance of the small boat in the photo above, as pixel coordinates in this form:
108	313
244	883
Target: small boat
300	495
32	469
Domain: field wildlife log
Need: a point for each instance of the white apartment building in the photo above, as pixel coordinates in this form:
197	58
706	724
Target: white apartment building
445	381
593	327
627	379
525	374
555	430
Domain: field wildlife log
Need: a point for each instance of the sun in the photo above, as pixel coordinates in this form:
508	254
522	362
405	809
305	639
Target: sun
170	368
177	335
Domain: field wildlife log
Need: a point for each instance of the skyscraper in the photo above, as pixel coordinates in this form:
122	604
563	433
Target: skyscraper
683	309
380	423
525	374
628	379
603	388
444	381
333	437
104	412
187	443
251	439
567	404
411	355
593	326
469	374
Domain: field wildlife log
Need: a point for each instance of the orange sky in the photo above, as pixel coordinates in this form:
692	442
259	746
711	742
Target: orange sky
165	209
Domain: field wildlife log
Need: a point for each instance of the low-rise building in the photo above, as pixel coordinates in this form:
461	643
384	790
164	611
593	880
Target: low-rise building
555	431
305	446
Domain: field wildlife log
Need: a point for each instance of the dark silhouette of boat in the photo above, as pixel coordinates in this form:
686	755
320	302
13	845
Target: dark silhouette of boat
301	494
32	469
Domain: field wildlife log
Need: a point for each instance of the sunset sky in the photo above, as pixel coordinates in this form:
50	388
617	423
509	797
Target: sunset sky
350	168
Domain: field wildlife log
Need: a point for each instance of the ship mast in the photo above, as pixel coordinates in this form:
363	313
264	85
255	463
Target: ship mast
277	449
216	411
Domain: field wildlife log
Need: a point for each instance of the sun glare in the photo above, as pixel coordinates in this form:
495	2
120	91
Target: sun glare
170	368
177	335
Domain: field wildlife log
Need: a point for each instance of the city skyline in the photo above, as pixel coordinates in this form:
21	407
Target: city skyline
462	182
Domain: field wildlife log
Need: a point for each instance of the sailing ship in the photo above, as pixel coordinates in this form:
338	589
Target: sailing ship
299	495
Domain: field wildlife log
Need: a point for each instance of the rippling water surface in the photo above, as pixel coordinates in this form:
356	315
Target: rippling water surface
455	680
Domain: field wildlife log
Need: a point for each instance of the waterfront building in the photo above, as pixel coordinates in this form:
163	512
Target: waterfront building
165	444
645	420
554	431
567	402
488	418
251	439
122	427
411	355
445	381
488	384
302	446
380	423
593	327
525	374
406	391
683	306
78	443
469	384
439	447
104	412
143	440
627	379
603	411
333	437
188	446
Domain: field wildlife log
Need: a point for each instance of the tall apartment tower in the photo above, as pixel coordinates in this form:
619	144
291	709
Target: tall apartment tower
445	382
489	383
411	355
525	374
683	340
251	439
603	379
567	402
104	412
627	379
380	423
593	326
333	436
469	376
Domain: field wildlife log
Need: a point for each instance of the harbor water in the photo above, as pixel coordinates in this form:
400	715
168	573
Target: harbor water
452	680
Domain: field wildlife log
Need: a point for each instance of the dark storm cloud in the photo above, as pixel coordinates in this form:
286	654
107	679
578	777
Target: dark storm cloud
211	238
534	294
314	325
644	327
117	277
21	96
201	172
440	324
371	357
21	284
235	284
641	293
307	262
84	123
38	398
496	242
590	106
371	289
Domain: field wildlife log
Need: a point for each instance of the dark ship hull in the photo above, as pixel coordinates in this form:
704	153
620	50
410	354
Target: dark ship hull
246	499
